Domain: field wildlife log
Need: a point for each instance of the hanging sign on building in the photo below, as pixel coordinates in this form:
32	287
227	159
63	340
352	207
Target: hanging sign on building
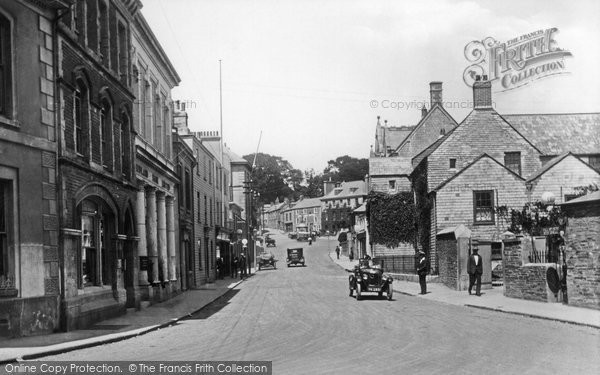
516	62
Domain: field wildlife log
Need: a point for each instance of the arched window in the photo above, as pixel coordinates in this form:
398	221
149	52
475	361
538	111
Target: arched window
5	68
81	118
96	258
106	134
124	154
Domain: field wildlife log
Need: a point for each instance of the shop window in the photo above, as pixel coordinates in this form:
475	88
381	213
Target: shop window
7	281
483	207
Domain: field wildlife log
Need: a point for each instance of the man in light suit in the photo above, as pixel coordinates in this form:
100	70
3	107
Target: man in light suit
422	270
475	269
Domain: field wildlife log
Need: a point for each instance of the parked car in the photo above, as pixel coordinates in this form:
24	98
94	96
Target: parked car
269	241
295	256
293	235
368	277
266	260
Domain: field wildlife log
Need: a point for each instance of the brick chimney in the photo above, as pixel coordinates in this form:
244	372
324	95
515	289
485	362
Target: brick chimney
435	92
482	93
423	111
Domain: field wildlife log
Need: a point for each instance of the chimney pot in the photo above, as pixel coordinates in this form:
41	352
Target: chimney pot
423	111
484	77
477	78
183	106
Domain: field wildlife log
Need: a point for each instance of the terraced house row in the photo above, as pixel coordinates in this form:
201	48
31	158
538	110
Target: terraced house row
99	206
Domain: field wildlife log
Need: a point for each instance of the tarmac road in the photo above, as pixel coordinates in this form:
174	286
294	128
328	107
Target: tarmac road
303	320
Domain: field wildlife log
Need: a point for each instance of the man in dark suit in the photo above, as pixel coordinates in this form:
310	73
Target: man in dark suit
422	271
475	269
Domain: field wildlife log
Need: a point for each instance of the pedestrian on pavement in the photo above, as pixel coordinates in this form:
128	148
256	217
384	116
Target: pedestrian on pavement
220	268
337	251
475	269
243	271
234	266
351	256
309	241
422	270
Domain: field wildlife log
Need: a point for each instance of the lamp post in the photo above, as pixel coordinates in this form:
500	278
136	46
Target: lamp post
328	249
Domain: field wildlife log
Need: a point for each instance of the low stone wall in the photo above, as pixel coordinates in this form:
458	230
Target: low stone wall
524	280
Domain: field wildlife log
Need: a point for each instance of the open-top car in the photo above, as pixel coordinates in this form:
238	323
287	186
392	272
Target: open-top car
295	256
368	276
266	260
270	241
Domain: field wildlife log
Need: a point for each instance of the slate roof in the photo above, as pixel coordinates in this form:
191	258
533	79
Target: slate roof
394	136
308	202
555	134
361	209
350	189
393	165
591	197
429	150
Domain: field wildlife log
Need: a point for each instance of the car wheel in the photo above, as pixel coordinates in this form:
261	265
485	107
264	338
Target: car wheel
390	293
358	292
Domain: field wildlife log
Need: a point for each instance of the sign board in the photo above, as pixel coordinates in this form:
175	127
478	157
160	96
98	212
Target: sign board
144	263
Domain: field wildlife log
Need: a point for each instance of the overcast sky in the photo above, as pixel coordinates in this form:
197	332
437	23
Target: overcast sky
305	73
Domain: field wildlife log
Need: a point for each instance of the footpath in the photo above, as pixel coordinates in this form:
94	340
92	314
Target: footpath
131	324
491	299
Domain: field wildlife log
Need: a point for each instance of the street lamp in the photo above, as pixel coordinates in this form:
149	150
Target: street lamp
328	249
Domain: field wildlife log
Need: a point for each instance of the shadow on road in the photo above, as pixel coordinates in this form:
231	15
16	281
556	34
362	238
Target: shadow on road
214	307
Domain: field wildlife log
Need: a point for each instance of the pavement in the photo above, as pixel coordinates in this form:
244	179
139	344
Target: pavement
490	299
161	315
131	324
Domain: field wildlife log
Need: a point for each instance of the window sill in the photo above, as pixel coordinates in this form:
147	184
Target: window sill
9	122
9	293
484	223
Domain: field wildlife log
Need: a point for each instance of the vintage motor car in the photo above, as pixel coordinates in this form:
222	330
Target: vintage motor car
295	256
368	276
266	260
303	236
269	241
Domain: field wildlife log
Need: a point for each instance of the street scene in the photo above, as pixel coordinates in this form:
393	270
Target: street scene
282	187
303	320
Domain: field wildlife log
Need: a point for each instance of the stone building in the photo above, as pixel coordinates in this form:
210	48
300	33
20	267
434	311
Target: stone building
157	223
96	178
337	206
30	284
307	213
185	162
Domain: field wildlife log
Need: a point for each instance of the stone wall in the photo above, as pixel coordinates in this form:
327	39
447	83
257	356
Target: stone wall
448	260
524	280
583	255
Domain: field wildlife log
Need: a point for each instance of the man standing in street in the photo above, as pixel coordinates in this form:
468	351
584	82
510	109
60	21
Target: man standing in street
422	271
234	266
337	251
243	271
475	269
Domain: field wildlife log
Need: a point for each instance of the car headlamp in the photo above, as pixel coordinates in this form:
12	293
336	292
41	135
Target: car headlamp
365	276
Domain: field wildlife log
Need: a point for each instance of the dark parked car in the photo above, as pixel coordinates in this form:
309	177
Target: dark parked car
368	276
295	256
269	241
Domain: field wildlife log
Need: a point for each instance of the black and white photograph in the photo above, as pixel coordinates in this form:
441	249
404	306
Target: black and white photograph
299	187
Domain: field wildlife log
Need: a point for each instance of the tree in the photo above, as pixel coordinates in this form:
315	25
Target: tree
271	177
346	168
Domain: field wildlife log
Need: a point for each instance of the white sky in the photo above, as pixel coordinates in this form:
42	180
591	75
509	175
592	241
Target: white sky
304	72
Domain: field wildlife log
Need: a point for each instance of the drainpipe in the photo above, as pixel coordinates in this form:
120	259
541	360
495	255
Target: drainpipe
58	178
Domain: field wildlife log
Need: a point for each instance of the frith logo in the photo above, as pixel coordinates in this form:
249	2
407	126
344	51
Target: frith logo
516	62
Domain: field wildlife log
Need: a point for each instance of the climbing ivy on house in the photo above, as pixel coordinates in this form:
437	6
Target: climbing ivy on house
423	206
391	218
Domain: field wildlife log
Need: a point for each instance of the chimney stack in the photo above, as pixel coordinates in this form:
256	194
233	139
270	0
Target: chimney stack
423	111
435	93
482	93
